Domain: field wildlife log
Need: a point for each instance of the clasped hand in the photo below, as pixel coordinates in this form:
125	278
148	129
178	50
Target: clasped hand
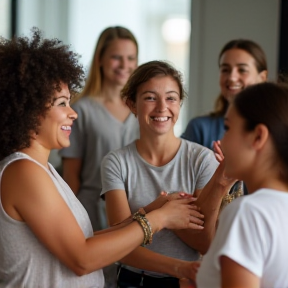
181	204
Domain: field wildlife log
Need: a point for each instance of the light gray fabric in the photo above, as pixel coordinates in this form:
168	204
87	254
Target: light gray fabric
95	133
190	169
24	261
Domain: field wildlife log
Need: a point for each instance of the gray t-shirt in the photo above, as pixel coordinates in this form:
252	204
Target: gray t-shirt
190	169
95	133
24	260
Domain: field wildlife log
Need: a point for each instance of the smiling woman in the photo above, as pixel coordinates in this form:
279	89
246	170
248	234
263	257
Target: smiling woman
57	123
158	161
46	237
242	63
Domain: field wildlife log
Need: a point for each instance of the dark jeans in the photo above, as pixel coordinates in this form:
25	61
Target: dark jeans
129	279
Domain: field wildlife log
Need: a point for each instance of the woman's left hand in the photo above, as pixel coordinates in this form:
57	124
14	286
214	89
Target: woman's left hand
187	273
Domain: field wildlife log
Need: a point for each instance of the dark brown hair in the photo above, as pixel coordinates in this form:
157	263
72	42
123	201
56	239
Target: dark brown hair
221	104
147	71
267	103
31	70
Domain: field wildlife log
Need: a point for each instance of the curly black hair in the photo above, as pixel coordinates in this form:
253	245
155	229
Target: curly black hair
31	71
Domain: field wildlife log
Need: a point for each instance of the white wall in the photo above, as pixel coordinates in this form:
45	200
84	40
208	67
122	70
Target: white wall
215	22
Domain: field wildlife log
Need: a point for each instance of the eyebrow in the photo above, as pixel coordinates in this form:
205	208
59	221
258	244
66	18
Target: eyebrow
238	64
154	92
56	98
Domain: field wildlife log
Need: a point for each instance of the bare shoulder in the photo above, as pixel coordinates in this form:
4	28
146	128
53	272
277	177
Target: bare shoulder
24	184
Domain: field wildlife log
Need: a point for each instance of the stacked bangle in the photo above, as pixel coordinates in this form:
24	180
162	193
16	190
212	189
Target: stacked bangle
237	192
144	223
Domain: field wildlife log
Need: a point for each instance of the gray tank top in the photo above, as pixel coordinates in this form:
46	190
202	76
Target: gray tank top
24	261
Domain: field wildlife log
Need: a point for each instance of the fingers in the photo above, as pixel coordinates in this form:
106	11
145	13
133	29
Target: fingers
218	151
196	214
197	222
218	157
163	193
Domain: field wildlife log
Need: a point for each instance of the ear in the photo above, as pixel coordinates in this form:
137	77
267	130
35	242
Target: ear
263	75
261	135
132	106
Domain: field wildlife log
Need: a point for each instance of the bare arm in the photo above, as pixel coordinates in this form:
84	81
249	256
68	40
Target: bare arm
209	200
62	236
71	173
234	275
117	209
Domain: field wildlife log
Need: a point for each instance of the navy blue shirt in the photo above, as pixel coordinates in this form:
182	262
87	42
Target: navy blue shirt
204	130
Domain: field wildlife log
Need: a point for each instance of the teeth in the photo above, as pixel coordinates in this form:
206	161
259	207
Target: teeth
161	119
66	128
235	87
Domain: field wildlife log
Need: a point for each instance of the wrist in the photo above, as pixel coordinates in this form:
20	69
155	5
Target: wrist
157	203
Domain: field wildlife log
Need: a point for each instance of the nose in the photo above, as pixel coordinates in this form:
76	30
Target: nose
161	105
123	62
72	114
234	75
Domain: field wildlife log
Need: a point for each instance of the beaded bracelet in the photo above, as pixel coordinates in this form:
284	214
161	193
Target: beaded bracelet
144	223
235	194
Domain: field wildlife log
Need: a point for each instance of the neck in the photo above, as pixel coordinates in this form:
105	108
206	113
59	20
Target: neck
38	153
111	92
269	183
158	151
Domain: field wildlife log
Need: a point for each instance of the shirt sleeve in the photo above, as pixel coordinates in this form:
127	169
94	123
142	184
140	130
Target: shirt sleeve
242	236
111	173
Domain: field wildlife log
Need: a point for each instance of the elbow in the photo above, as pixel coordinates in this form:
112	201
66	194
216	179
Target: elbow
81	267
204	247
80	270
203	250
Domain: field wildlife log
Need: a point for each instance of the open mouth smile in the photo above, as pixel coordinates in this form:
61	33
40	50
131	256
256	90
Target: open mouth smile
160	119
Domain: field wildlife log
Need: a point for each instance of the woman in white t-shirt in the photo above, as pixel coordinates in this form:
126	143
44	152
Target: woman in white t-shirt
250	245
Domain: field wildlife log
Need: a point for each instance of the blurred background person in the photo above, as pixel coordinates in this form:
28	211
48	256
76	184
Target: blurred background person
104	121
242	62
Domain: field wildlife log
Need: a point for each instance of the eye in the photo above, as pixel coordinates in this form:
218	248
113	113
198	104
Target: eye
116	57
172	98
242	71
131	58
62	104
150	98
224	70
226	127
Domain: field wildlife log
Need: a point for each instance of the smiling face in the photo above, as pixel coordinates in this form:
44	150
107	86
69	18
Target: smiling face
236	145
157	105
119	61
56	126
237	71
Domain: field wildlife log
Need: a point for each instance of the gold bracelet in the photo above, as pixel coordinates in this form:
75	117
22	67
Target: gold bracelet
144	223
235	194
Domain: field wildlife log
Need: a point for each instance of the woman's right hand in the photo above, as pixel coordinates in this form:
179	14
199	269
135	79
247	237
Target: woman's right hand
178	214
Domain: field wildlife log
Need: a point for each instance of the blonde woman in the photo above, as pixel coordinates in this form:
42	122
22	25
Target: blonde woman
104	121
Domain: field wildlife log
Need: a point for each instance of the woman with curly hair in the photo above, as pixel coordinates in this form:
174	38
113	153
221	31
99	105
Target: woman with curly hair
46	237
